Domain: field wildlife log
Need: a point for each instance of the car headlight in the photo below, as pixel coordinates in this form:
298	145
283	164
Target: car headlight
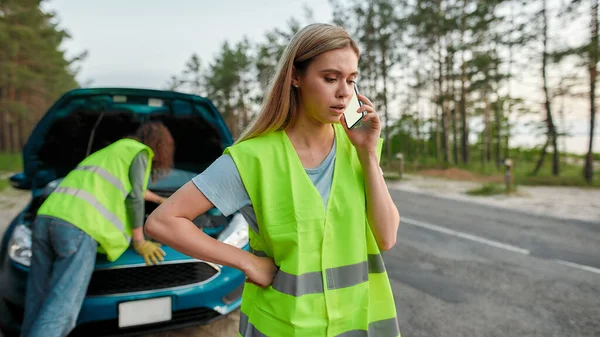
19	246
236	234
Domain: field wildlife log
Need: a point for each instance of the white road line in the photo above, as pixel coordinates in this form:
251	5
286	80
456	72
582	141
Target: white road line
489	242
464	235
579	266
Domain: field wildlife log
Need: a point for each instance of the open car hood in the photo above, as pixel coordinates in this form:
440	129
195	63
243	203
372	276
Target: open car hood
85	120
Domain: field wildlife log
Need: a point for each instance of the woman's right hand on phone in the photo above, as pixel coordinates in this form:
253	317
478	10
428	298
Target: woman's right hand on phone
261	271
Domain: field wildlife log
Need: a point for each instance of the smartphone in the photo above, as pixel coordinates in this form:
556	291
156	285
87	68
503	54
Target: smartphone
352	117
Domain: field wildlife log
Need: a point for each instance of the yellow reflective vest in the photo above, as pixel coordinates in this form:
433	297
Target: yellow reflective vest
92	196
332	280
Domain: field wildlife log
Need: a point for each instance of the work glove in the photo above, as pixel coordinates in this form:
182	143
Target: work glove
150	251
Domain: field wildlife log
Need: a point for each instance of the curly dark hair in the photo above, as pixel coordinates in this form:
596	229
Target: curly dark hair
156	136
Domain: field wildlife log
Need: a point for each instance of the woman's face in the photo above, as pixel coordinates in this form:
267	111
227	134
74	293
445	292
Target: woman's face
327	85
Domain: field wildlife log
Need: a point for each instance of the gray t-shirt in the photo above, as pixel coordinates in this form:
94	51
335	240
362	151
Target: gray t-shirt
222	185
134	203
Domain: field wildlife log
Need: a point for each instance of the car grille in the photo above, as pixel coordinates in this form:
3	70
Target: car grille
128	280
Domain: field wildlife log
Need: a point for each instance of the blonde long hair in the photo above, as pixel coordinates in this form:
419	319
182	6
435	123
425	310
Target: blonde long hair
280	106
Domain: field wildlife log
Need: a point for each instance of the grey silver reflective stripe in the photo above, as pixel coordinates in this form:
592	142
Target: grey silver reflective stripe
243	323
354	333
106	175
337	278
298	285
253	227
91	199
376	265
250	216
383	328
247	329
347	276
258	253
387	327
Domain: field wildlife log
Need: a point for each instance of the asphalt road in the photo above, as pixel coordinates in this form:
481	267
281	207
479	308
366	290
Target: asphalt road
460	269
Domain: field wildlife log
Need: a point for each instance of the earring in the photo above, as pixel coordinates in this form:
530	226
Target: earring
296	86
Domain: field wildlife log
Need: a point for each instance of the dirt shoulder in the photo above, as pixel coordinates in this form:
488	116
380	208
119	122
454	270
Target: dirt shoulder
560	202
12	202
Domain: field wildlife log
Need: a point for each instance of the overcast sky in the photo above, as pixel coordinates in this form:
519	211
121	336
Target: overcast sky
142	43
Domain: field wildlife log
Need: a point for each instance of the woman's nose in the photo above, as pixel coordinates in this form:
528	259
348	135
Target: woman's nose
344	90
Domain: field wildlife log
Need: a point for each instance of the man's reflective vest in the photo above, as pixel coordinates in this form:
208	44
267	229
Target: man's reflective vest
92	196
332	280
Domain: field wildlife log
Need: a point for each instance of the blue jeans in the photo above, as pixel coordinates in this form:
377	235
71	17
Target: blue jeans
62	263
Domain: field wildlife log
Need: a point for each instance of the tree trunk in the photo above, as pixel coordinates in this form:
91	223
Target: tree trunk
510	101
446	134
589	159
231	119
463	92
3	112
243	107
427	133
563	123
445	121
453	113
487	131
556	154
370	49
447	111
426	138
442	101
438	134
418	136
538	166
19	127
455	135
13	136
463	118
418	116
507	133
9	137
498	117
551	134
5	130
483	155
386	117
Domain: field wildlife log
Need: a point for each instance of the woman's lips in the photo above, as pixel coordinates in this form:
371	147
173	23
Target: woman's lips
338	109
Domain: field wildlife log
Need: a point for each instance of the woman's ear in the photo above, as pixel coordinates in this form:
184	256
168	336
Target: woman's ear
295	79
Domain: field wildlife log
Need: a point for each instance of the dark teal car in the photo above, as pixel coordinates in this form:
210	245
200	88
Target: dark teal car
126	297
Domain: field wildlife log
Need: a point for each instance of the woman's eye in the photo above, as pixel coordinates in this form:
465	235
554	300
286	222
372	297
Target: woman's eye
329	79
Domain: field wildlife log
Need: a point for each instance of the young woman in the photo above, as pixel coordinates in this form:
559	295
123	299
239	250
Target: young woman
99	206
315	199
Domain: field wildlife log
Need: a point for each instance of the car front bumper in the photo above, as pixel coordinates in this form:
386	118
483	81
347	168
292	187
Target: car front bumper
193	304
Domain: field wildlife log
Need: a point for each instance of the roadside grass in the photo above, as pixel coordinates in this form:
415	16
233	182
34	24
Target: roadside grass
490	189
9	162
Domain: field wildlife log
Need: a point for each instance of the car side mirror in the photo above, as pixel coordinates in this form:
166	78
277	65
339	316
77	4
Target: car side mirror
18	181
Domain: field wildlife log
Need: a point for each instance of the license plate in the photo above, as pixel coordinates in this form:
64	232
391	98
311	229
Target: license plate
148	311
